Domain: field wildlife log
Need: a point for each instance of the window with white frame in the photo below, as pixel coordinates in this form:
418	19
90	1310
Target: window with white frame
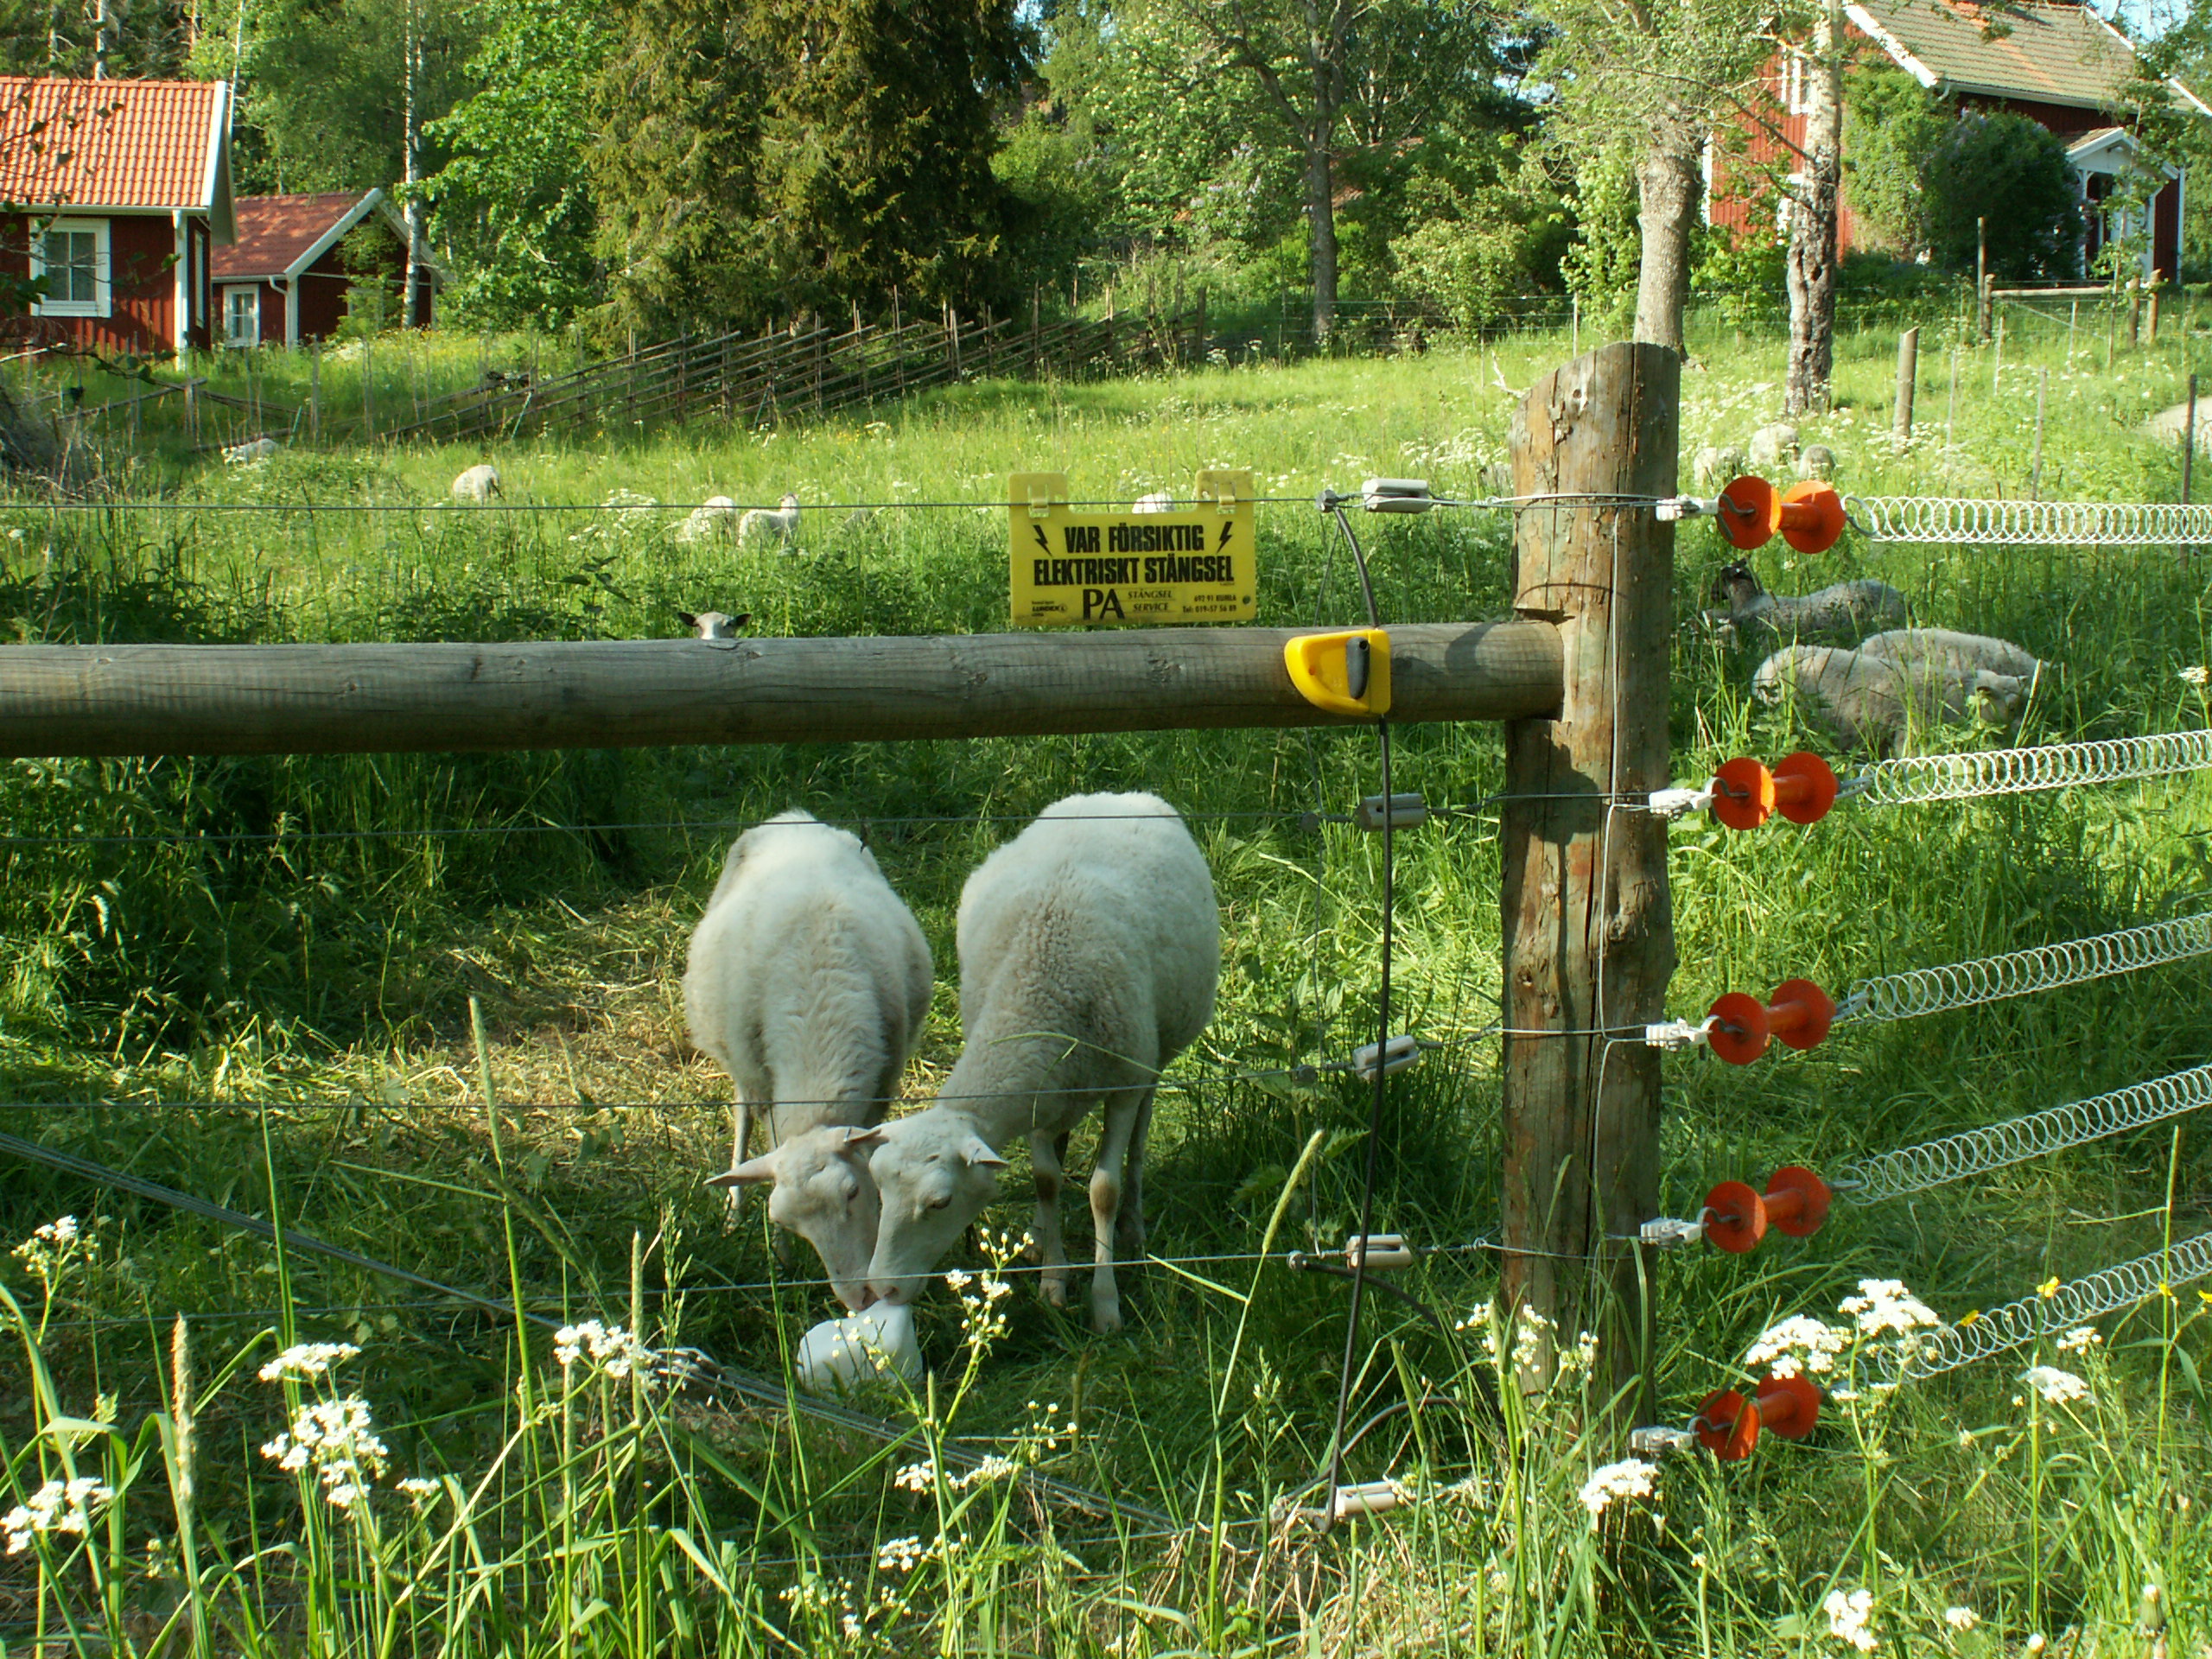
242	316
1796	84
72	256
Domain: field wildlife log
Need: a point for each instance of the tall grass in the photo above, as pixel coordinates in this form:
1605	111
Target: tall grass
580	1512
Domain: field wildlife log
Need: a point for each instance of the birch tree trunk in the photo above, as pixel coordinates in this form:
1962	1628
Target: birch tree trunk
1321	215
411	140
1670	180
1814	233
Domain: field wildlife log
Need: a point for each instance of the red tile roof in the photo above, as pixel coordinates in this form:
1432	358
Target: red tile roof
274	232
111	144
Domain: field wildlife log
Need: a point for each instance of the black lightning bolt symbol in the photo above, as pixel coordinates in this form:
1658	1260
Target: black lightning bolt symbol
1223	542
1038	530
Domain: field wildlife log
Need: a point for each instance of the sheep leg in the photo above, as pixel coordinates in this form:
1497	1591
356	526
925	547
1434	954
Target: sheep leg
1129	1221
743	1114
1046	1155
1124	1112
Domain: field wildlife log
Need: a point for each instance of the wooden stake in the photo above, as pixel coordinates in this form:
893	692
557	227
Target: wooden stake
2034	478
1589	928
314	391
1907	375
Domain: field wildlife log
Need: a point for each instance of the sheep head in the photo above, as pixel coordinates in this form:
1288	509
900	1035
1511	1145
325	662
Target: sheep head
935	1174
1735	584
1999	699
823	1192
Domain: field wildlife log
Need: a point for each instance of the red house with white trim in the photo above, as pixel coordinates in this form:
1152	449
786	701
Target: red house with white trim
282	281
2054	61
116	193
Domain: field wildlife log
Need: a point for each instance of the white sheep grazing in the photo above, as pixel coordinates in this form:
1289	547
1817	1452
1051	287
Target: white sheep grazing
1846	609
713	624
256	449
715	516
809	980
1157	501
782	523
1090	948
1968	653
480	484
1876	704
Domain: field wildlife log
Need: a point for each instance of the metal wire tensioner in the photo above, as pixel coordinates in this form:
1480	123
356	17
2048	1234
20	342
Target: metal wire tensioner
1943	519
1976	1152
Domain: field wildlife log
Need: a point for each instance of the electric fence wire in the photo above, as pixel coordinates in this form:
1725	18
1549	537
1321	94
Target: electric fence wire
1958	521
2020	973
1916	779
1976	1152
1496	503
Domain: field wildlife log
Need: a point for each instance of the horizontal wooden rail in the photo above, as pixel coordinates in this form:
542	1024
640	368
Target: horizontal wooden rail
59	700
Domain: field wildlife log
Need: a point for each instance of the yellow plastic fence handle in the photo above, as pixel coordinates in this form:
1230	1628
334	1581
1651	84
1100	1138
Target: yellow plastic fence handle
1346	673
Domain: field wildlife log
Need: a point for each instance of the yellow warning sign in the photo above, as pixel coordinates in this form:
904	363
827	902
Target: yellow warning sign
1135	569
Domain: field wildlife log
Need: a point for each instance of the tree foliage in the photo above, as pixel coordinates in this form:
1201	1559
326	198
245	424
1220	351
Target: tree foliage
2012	175
1892	127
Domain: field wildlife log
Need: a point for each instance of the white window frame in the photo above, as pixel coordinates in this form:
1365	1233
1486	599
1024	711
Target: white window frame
231	291
102	303
1796	83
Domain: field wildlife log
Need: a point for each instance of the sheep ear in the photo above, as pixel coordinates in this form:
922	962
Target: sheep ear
740	618
756	1172
687	619
859	1139
976	1152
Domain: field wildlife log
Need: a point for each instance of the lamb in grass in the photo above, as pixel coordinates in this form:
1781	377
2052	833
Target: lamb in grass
1846	610
809	980
1090	948
479	484
782	523
1871	703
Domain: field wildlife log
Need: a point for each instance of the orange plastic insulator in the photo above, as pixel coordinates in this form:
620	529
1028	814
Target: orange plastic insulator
1728	1425
1796	1202
1742	794
1735	1217
1811	516
1749	512
1804	788
1799	1014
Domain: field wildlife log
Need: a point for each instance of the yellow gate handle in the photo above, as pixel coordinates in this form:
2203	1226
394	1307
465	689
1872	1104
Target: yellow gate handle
1346	673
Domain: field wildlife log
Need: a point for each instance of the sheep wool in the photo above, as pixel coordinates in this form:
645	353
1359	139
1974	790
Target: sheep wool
1968	653
1845	610
1869	703
479	484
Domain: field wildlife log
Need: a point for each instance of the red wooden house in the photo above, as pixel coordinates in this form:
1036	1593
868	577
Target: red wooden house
282	279
2054	61
116	193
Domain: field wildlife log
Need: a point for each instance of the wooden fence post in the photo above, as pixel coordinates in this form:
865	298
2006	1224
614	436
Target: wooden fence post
1908	379
314	391
1589	926
368	390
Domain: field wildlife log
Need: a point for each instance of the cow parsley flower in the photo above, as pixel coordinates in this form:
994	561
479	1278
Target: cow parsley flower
1885	1305
1850	1618
2080	1339
1799	1343
2059	1388
58	1506
1961	1619
1629	1478
899	1555
307	1361
613	1352
2197	676
60	1244
337	1439
916	1477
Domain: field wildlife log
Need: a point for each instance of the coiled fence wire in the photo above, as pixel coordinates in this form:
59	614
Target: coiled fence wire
2012	772
2046	967
1972	1152
2028	524
2017	1324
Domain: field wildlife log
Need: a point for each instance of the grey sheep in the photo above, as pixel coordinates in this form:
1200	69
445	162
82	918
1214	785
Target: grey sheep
1716	467
1773	446
1817	461
1847	608
1968	653
1872	703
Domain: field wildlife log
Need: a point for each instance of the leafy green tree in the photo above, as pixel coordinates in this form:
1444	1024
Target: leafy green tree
512	207
771	155
1892	125
1484	234
2013	174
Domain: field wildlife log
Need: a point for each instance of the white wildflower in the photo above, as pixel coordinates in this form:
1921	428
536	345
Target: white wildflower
899	1555
612	1350
58	1506
2059	1388
989	1468
1883	1305
1849	1616
2197	676
1529	1331
53	1247
959	1279
1961	1619
2080	1339
306	1361
337	1439
916	1477
1629	1478
1799	1343
419	1491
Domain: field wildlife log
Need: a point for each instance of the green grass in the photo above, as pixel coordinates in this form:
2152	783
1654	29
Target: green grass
324	986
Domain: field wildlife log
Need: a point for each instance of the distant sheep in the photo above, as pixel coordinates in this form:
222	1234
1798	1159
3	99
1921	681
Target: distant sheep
1968	653
1846	610
479	484
1157	501
713	624
715	516
1872	703
1089	951
1773	446
809	980
257	449
1818	461
1716	467
781	522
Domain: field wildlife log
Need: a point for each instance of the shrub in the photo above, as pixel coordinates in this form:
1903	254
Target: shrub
2013	175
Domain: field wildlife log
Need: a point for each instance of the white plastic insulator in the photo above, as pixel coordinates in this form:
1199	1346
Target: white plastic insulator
1403	812
1676	1033
1656	1440
1397	1054
1666	1230
1684	506
1381	1250
1679	801
1369	1497
1395	495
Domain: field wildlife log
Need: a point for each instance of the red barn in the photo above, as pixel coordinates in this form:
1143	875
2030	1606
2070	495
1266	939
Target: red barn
121	189
282	279
2054	61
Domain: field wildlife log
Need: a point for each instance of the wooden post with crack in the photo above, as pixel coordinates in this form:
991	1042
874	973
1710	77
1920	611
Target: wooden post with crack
1588	925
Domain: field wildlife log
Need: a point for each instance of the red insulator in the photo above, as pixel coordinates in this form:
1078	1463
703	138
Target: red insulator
1799	1014
1745	794
1795	1202
1809	516
1729	1426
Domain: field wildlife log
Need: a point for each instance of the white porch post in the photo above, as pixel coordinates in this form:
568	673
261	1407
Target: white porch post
180	322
